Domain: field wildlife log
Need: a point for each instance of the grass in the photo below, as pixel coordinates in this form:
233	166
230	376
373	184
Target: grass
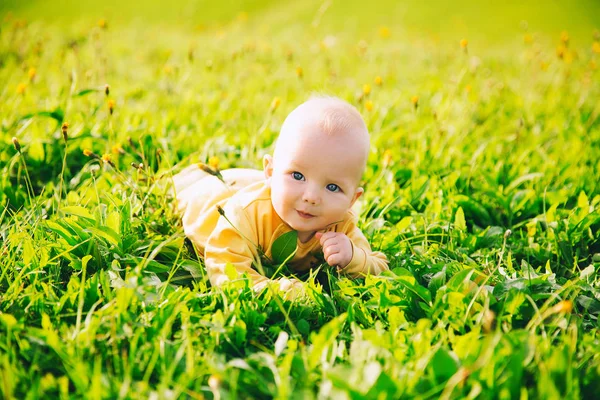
481	188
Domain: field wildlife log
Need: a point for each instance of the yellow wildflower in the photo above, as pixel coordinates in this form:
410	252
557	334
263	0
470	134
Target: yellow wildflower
366	89
213	162
384	32
531	228
378	81
527	38
31	73
369	105
21	88
299	72
102	23
563	307
111	106
387	157
464	43
596	47
564	37
106	159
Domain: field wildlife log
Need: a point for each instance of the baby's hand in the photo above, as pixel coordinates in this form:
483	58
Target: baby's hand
337	248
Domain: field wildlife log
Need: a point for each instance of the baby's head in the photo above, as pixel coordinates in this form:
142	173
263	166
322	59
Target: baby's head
319	159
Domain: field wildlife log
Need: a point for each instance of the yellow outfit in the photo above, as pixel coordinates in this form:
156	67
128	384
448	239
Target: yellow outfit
246	201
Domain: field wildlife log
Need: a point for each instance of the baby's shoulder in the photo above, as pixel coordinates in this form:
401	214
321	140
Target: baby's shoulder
256	195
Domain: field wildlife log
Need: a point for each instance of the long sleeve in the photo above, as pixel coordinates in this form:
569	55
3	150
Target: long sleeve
364	260
235	241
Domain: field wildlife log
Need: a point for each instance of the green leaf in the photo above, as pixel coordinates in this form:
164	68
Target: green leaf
443	364
459	220
403	224
58	115
105	233
303	327
83	92
78	211
284	247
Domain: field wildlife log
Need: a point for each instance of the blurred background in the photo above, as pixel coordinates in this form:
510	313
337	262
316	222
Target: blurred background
485	21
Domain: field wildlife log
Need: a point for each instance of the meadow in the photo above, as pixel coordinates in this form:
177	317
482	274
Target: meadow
482	188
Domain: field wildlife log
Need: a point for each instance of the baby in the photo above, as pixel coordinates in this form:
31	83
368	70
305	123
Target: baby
309	185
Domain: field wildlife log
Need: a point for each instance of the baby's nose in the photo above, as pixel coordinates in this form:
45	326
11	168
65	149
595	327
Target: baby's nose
310	196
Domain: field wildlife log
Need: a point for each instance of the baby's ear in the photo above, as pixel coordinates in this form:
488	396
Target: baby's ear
268	167
359	192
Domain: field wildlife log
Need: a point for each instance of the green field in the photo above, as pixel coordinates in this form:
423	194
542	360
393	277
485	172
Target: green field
482	188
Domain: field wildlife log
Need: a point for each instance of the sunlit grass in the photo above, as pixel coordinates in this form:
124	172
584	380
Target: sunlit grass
481	187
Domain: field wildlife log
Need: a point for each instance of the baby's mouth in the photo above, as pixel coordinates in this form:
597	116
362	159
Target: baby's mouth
304	215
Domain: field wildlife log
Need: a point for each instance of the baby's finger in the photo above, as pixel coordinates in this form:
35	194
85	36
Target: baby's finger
334	259
326	236
327	251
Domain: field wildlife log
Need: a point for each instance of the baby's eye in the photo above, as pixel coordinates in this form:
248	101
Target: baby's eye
297	176
332	187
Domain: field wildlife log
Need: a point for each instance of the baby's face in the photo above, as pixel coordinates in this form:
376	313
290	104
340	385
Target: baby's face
314	179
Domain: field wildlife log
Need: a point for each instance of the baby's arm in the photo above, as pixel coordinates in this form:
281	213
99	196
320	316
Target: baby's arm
351	252
235	240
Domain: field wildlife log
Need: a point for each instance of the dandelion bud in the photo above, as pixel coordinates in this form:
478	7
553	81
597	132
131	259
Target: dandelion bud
275	103
464	43
107	89
415	101
21	88
91	154
220	210
64	128
214	382
102	23
111	106
31	73
117	149
16	144
378	81
387	157
507	234
489	319
369	105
